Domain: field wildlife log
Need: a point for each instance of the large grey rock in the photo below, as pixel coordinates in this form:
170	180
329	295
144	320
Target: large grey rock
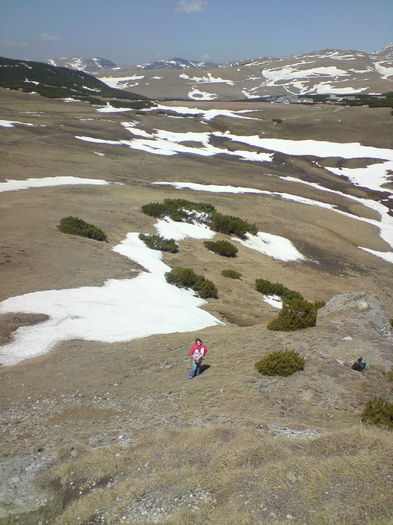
355	312
18	492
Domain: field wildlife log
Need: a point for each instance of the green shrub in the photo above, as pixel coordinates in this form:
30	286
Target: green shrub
231	274
154	209
280	363
187	278
378	412
276	120
188	211
179	210
231	225
295	315
156	242
391	323
205	288
223	248
268	288
76	226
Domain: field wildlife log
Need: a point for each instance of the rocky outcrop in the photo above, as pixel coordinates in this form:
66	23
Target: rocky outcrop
359	320
355	311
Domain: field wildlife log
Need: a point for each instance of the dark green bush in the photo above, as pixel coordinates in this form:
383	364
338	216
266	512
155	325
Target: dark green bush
156	242
277	120
280	363
205	288
187	278
179	210
391	323
183	210
294	315
268	288
231	274
224	248
231	225
154	209
378	412
76	226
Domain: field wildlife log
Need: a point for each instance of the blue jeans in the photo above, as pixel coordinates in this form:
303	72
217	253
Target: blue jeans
195	368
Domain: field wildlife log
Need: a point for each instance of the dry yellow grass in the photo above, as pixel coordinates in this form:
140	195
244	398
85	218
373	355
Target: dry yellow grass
222	475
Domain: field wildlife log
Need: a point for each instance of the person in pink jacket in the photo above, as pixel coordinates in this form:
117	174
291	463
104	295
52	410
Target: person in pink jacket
197	353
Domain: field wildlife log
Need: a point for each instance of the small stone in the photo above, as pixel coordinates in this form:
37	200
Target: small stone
348	337
291	477
306	395
289	517
362	306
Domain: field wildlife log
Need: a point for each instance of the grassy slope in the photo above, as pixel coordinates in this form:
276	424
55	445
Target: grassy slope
61	82
203	450
136	438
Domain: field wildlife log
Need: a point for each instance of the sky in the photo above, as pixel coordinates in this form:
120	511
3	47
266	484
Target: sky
138	31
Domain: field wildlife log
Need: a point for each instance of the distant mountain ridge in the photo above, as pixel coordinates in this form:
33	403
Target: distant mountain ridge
87	64
334	72
385	52
176	63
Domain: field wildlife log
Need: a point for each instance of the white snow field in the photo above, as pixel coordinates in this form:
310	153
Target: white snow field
287	73
208	79
196	94
373	176
111	109
162	142
120	82
207	114
181	230
273	300
271	245
120	310
15	185
11	123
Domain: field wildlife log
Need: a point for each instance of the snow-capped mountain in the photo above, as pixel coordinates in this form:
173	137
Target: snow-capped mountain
385	52
87	64
175	63
328	71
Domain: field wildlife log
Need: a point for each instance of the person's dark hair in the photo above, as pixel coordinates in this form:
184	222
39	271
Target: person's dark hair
198	340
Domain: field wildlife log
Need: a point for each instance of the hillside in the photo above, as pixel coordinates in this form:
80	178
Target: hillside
86	64
60	82
330	71
100	423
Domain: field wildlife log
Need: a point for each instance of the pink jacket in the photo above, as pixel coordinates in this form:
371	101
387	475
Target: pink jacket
198	351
